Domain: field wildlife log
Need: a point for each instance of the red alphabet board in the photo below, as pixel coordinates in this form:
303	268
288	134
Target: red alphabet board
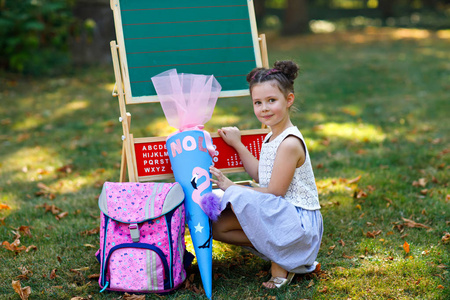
152	158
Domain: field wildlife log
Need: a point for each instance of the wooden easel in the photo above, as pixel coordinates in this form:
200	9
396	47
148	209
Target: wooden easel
132	91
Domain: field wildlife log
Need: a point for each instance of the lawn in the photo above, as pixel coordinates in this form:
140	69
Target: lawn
373	106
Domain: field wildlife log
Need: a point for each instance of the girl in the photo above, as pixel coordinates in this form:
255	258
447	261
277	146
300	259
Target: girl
281	219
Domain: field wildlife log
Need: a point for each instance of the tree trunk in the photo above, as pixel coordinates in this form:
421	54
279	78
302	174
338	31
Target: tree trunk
296	19
260	10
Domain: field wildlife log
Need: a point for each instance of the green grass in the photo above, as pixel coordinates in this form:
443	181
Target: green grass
372	104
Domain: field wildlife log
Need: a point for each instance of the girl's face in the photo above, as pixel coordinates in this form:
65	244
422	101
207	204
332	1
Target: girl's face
270	105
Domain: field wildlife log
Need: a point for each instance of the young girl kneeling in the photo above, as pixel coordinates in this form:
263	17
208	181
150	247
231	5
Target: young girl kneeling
281	219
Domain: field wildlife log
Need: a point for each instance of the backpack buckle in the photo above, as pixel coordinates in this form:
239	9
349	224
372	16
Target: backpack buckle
134	232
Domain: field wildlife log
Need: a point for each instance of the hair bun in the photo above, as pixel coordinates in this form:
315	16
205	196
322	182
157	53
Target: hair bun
288	68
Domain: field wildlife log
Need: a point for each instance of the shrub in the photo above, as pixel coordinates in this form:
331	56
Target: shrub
34	35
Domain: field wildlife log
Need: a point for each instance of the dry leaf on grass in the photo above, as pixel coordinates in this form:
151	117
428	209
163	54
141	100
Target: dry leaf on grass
446	238
421	182
2	221
31	247
53	274
348	257
25	230
67	169
61	215
412	224
94	276
373	234
14	246
25	273
4	206
24	293
406	247
127	296
354	180
90	232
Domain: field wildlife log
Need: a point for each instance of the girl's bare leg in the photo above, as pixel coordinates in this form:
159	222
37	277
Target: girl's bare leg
228	230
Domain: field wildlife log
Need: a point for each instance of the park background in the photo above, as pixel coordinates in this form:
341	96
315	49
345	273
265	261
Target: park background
373	103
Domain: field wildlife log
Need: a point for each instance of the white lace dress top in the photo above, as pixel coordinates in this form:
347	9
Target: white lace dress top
302	191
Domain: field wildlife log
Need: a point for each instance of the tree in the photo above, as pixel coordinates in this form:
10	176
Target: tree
296	19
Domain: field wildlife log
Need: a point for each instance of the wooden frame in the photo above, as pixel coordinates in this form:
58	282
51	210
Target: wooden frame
122	90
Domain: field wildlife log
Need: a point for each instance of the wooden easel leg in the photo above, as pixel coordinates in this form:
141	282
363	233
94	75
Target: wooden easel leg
123	164
264	54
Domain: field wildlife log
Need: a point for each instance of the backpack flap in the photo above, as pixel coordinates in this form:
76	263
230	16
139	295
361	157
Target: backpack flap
134	202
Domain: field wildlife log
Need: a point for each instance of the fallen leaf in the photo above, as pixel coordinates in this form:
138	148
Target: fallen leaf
67	169
80	269
406	247
311	283
324	290
412	224
4	206
61	215
25	273
14	246
25	230
421	182
89	245
446	238
389	200
53	274
2	221
91	232
127	296
347	256
440	287
373	234
361	194
24	293
341	242
358	206
43	186
29	248
354	180
94	276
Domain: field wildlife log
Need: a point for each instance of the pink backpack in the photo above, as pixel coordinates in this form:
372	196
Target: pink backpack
141	237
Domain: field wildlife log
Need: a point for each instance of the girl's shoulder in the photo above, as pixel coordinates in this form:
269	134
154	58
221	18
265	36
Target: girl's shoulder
293	130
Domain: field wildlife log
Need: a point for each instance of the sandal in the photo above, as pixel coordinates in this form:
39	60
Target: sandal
279	282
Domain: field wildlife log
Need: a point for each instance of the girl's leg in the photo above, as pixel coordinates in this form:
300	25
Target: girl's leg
228	230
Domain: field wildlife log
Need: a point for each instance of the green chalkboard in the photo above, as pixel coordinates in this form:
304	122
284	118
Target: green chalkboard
211	37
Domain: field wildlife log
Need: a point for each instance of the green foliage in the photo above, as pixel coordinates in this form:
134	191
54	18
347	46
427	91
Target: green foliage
34	35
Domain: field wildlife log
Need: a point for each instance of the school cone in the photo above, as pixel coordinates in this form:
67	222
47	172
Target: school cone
190	164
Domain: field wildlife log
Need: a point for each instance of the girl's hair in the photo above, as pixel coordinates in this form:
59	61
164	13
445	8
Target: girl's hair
283	73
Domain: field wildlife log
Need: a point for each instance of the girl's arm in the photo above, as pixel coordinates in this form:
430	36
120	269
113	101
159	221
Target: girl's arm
290	155
232	136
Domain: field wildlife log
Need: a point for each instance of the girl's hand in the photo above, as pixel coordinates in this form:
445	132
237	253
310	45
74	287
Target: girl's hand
231	135
222	181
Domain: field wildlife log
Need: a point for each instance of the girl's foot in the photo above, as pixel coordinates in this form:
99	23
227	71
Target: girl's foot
280	277
277	282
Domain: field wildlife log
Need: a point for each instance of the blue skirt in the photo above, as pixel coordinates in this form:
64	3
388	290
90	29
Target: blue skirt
286	234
